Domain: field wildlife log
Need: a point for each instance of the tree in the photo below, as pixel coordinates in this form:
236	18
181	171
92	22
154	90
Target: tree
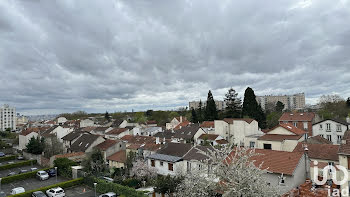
166	184
210	110
236	171
272	119
333	106
53	147
142	171
94	163
35	145
279	106
252	109
200	111
64	166
107	116
348	102
233	104
194	118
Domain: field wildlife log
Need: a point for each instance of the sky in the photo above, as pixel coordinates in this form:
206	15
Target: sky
121	55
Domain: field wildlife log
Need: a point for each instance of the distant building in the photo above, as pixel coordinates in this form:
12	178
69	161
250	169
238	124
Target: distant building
291	102
220	105
7	118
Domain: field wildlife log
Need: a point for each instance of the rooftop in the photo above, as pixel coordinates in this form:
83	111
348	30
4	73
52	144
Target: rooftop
291	116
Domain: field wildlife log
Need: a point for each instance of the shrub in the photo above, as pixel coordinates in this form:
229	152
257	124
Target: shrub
64	166
104	187
23	176
66	184
19	164
7	158
131	182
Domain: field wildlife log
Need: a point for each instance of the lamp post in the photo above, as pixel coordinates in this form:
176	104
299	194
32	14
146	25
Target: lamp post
95	189
0	184
56	173
31	162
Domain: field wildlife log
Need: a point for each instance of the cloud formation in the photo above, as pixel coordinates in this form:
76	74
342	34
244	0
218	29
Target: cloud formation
67	55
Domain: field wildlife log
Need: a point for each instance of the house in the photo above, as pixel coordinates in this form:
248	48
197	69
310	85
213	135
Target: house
117	133
324	154
194	159
118	159
86	143
151	131
303	120
151	123
235	130
71	137
27	134
61	120
176	122
344	158
130	139
101	130
212	139
87	123
144	150
109	147
57	131
167	161
285	170
208	127
283	137
188	134
331	129
317	140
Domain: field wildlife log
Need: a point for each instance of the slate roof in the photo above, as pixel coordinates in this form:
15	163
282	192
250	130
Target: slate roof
175	149
116	131
167	134
208	136
131	139
320	151
163	157
194	153
72	135
117	122
106	144
187	132
276	161
83	142
291	116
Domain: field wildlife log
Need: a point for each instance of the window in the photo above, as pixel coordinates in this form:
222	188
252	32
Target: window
305	125
170	167
251	144
267	146
188	166
339	138
161	163
329	137
320	126
322	135
338	128
199	167
295	124
328	127
153	163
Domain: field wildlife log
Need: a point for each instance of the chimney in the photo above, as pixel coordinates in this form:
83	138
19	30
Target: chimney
157	140
164	140
172	131
180	118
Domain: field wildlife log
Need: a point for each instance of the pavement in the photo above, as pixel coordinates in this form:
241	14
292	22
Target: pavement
2	163
80	191
30	184
4	173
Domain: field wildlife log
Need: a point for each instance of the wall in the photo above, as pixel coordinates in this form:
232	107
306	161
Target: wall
95	143
86	123
115	148
24	139
116	164
333	132
275	145
163	170
281	131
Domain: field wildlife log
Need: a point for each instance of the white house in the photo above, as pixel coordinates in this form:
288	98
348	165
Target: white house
331	129
26	135
87	123
58	131
117	133
151	131
236	130
284	137
212	139
176	122
61	120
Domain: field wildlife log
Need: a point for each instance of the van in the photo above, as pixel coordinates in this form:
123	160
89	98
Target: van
17	190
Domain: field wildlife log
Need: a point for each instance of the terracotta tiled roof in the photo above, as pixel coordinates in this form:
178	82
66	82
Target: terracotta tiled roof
182	124
106	144
207	124
35	129
130	139
222	141
231	120
276	161
179	118
70	155
320	151
318	140
119	156
208	136
88	129
276	137
151	122
117	131
291	116
344	148
292	128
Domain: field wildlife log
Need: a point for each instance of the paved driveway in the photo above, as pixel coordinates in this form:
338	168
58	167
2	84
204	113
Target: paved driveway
31	183
80	191
4	173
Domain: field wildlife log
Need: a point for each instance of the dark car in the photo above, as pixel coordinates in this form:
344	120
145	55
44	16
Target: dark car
38	194
2	154
51	172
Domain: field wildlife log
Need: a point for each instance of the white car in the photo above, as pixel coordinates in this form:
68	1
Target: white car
42	175
109	194
17	190
55	192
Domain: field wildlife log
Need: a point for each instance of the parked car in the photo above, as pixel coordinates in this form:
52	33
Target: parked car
10	162
33	169
2	154
11	174
109	194
51	172
2	194
20	158
55	192
107	179
38	194
42	175
17	190
22	171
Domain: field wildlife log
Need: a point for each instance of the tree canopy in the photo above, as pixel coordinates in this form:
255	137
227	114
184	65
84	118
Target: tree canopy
252	109
233	104
35	145
211	112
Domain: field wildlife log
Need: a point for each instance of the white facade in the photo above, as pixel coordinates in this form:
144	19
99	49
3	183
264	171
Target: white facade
61	120
7	118
164	167
236	132
87	123
330	130
291	102
24	140
60	132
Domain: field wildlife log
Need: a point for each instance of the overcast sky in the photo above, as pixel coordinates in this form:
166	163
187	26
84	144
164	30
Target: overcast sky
68	55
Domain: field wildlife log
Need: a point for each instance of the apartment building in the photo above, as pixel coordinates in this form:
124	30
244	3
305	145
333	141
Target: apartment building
291	102
7	118
220	105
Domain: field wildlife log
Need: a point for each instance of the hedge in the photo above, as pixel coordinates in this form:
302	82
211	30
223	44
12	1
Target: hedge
104	187
66	184
23	176
7	158
19	164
